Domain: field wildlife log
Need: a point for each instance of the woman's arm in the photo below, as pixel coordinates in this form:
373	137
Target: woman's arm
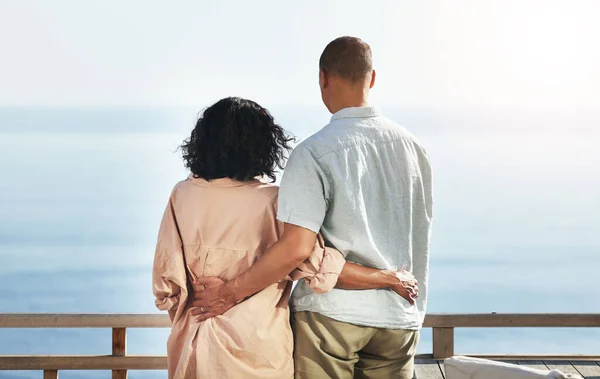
326	268
357	277
168	273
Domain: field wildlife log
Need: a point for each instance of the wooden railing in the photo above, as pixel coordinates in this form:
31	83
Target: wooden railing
119	362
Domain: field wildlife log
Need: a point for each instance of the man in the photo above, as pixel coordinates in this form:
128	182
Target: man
364	182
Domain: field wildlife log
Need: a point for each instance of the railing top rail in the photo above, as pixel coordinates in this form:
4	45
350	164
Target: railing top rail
508	320
83	320
82	362
473	320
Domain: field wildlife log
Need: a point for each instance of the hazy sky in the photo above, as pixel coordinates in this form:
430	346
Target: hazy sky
433	54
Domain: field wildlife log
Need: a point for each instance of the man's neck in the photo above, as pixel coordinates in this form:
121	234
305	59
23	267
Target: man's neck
349	102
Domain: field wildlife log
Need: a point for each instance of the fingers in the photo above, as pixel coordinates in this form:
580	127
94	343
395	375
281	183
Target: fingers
203	303
199	311
202	300
207	281
206	316
197	305
208	302
210	298
410	286
203	314
405	275
410	299
409	283
203	285
412	291
407	293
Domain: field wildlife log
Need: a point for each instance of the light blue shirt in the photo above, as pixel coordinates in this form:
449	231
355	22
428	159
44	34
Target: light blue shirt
364	182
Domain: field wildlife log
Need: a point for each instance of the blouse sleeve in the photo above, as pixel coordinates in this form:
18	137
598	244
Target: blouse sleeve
168	274
321	269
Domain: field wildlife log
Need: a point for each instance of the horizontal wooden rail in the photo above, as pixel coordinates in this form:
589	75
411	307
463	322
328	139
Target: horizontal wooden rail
119	362
72	320
535	357
500	320
439	320
82	362
143	362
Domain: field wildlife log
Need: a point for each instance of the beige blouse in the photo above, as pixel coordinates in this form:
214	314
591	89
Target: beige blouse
219	228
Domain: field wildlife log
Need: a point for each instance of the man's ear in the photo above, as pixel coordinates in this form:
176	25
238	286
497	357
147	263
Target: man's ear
323	80
373	74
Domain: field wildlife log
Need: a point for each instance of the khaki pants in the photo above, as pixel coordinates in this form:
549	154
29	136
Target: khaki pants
325	348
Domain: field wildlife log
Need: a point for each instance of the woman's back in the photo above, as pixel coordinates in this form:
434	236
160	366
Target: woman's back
223	226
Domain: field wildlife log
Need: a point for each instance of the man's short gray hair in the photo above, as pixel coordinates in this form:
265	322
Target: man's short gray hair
348	58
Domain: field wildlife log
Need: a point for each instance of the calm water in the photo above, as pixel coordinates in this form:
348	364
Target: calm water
516	224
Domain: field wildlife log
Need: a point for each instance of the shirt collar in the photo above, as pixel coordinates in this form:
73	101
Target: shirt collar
356	112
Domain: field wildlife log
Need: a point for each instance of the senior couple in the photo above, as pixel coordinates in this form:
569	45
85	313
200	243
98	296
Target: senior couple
350	221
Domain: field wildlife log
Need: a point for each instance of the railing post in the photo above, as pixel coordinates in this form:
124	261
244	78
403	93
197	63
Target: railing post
119	348
443	343
50	374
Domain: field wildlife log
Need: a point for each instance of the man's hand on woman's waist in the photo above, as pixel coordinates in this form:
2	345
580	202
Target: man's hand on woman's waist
212	297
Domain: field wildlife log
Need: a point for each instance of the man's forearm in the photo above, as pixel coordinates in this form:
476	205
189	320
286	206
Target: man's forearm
357	277
277	262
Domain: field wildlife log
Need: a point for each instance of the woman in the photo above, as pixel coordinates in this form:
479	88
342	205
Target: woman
217	223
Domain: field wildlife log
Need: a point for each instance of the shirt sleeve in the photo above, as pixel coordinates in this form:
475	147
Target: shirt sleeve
303	193
168	274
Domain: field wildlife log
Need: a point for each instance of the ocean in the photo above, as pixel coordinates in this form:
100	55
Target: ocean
516	229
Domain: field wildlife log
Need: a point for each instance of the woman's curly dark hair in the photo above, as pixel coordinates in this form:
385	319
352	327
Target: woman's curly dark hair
238	139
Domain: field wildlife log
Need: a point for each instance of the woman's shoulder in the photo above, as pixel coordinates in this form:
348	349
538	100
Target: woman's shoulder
180	186
268	190
257	192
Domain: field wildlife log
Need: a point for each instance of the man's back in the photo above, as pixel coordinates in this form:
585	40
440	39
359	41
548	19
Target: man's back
366	183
